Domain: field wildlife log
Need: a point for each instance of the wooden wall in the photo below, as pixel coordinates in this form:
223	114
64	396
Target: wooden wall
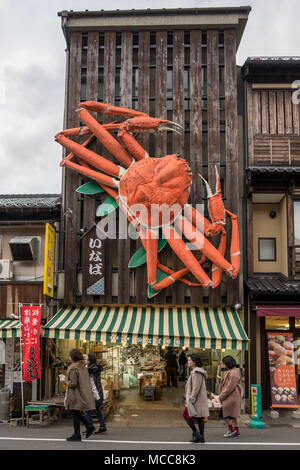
13	294
274	127
185	76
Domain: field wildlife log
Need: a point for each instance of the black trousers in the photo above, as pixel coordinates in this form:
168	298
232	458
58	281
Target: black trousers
77	418
171	376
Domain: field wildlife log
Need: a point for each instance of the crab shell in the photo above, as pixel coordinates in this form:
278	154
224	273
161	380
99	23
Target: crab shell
155	190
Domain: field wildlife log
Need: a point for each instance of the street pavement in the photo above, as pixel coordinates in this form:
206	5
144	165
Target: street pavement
52	437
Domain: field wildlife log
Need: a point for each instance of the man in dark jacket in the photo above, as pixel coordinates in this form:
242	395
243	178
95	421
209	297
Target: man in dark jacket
94	371
182	366
171	367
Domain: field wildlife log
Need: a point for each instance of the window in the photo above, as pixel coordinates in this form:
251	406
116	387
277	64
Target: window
267	249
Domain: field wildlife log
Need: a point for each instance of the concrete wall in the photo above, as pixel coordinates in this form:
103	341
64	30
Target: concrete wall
266	227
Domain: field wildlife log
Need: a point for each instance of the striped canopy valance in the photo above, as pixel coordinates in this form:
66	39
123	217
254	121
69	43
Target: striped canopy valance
9	328
193	327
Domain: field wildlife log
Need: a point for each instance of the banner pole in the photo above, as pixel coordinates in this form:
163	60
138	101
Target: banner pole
21	361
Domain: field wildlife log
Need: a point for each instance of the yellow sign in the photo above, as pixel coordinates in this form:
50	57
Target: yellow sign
49	260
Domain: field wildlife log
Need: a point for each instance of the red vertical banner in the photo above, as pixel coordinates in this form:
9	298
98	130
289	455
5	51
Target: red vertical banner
282	370
31	328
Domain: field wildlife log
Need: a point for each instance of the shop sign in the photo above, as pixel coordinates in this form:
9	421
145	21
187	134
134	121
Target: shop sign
95	267
256	401
282	370
49	260
31	327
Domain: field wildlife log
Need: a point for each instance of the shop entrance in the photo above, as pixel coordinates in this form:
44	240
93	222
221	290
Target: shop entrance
135	381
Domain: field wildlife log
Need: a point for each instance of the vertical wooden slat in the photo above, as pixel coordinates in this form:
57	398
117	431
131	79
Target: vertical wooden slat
161	89
72	178
264	113
109	97
126	101
89	204
256	112
272	112
250	131
296	119
143	100
288	112
196	132
213	125
231	129
178	140
161	112
280	113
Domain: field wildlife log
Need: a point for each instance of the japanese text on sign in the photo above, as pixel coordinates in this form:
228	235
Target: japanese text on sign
31	327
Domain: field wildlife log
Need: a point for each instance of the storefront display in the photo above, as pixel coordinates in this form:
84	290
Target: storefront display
136	373
282	370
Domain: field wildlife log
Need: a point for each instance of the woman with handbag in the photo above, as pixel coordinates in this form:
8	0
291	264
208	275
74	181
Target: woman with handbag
79	395
230	395
196	410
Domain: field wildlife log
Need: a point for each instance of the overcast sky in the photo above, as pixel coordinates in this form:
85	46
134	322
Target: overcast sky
32	74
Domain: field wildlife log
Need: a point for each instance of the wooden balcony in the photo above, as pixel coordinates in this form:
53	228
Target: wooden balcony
294	259
276	150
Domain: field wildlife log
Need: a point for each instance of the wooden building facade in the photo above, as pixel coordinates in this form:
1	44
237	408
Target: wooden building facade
173	64
272	279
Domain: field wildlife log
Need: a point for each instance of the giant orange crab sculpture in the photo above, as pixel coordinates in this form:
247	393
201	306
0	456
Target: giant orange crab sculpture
153	193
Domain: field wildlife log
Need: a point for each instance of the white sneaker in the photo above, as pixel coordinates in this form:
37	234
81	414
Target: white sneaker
230	433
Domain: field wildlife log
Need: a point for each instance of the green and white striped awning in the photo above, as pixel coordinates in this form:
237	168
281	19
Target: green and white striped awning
9	328
210	328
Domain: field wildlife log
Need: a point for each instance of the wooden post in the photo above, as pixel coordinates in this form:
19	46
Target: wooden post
196	132
72	178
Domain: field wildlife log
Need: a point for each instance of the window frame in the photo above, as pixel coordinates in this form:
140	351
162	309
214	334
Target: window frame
275	250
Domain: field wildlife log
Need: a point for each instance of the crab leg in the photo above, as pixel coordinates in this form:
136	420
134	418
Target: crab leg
101	178
197	219
201	243
186	256
90	157
109	110
109	142
142	124
173	276
235	253
150	241
216	271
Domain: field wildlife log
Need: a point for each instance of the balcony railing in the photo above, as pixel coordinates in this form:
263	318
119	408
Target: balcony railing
276	150
295	259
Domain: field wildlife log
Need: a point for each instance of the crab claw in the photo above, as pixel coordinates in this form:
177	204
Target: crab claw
215	206
218	185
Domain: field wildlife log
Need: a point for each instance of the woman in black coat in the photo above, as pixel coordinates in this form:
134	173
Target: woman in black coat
94	371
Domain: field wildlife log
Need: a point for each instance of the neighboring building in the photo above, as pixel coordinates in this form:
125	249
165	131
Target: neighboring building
22	243
179	65
273	206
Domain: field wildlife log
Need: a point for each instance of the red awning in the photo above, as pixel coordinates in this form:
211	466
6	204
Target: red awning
278	310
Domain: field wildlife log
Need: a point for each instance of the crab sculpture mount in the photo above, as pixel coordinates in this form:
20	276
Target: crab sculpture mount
154	193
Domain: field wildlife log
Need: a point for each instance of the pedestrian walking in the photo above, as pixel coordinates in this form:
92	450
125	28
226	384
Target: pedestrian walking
94	371
196	410
171	367
79	395
182	361
230	394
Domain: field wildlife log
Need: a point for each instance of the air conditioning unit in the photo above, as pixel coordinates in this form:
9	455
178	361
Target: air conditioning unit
25	248
6	271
